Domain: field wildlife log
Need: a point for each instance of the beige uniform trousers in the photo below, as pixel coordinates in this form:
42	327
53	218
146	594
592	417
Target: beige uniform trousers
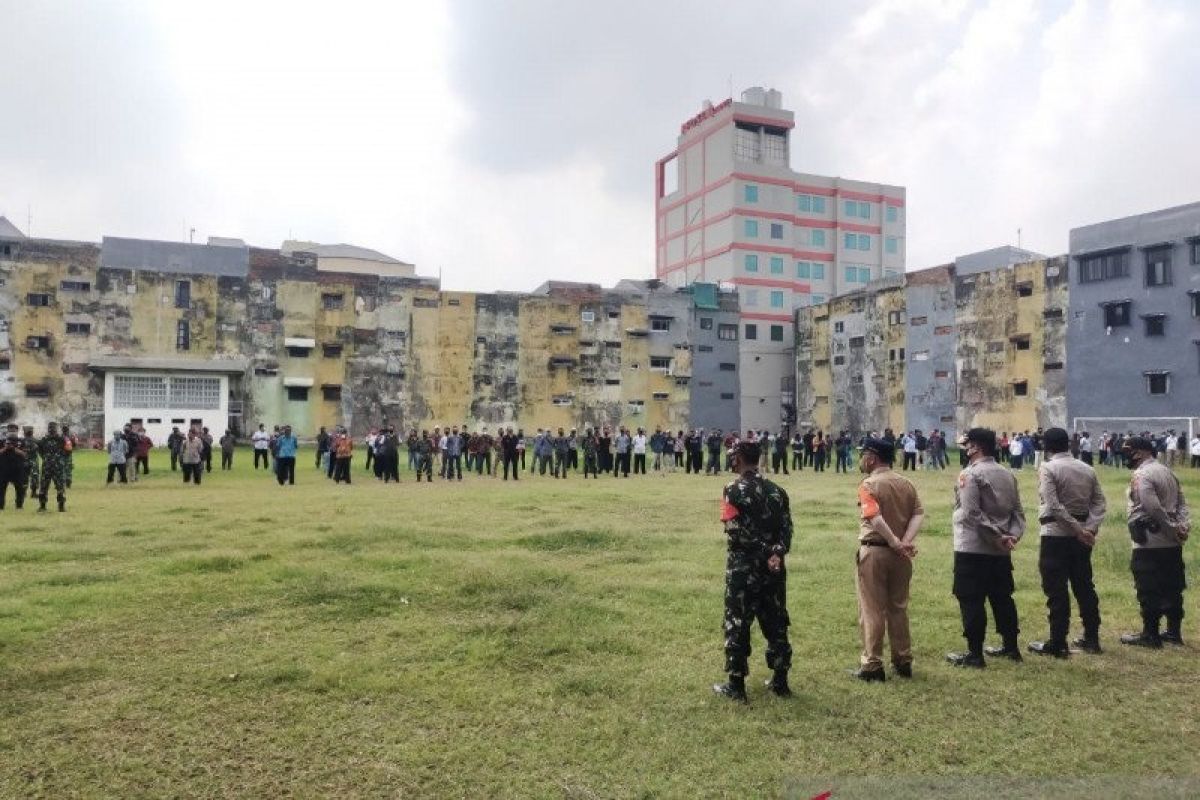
883	580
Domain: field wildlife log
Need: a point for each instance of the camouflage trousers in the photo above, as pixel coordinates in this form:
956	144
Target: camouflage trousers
33	474
68	471
753	593
49	476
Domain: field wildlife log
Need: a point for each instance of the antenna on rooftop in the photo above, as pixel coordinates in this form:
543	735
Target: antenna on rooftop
29	220
1018	238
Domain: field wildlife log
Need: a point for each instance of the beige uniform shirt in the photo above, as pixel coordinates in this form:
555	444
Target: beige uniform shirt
1069	497
1154	494
987	506
891	495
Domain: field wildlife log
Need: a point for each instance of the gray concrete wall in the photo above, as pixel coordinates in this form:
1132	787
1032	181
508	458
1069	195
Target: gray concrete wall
931	389
1106	375
715	392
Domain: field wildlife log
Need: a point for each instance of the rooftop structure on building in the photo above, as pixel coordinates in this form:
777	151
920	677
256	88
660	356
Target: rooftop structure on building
350	258
8	230
730	208
996	257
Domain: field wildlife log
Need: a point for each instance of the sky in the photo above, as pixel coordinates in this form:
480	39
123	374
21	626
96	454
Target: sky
504	144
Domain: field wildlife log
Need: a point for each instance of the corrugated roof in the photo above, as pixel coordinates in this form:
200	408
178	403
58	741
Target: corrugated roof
8	230
174	257
339	251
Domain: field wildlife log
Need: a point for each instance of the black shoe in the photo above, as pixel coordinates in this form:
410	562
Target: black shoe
1011	653
1049	649
728	690
869	675
1088	645
1143	639
903	670
1172	637
970	660
777	687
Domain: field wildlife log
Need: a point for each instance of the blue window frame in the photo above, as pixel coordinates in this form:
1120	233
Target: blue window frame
864	242
850	241
802	269
817	238
818	205
850	208
750	228
776	230
893	213
776	265
818	299
864	275
818	272
892	244
864	210
804	202
751	262
750	192
851	274
776	299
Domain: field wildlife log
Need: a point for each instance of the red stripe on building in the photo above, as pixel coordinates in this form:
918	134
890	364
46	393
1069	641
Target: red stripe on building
769	317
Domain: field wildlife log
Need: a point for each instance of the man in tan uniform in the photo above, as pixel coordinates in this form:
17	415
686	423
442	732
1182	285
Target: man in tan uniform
988	522
1159	524
1070	510
891	517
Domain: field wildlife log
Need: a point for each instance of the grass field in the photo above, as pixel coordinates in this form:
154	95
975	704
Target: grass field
544	639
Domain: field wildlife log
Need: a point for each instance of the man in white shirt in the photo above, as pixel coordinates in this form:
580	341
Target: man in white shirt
1172	448
262	444
1195	450
909	443
1085	448
639	452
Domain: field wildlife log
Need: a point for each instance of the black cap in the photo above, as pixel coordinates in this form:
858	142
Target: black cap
1134	443
1056	440
984	437
749	451
884	449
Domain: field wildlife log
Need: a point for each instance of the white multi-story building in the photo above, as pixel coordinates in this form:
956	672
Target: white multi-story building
730	209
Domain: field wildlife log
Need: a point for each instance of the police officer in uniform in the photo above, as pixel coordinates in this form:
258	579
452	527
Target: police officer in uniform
1070	509
1159	524
988	522
758	530
891	515
54	451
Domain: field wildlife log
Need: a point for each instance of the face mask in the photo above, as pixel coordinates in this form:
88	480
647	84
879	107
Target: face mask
1132	462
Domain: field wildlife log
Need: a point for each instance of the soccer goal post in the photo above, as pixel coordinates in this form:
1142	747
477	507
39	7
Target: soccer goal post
1155	425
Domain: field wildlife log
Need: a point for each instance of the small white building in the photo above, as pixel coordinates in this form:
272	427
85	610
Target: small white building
166	393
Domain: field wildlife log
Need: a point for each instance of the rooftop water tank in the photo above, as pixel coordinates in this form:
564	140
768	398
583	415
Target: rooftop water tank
755	96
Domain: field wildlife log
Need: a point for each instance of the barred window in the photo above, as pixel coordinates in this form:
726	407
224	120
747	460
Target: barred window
148	391
139	392
198	393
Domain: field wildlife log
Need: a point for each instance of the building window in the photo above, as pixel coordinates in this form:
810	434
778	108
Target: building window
941	373
1156	324
776	230
915	321
1052	313
1021	343
1050	366
864	274
776	299
78	328
818	273
1158	382
612	382
297	393
811	202
750	228
851	274
893	213
37	390
587	316
746	143
776	265
750	192
818	299
864	242
751	331
839	327
331	350
1104	266
183	335
943	330
751	262
727	333
1024	290
1116	315
661	396
857	341
921	355
895	318
183	294
802	269
817	238
1158	266
332	301
839	361
298	352
1020	388
892	245
563	400
726	395
727	366
75	286
706	323
38	299
660	363
750	297
850	241
1195	295
660	324
1194	249
5	363
705	348
332	394
776	333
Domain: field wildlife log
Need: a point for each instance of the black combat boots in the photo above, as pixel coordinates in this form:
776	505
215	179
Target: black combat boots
778	685
735	689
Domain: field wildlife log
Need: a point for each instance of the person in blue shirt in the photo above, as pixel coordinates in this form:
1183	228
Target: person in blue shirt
285	456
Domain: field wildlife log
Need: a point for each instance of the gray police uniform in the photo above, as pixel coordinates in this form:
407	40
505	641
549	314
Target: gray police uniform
1158	518
1069	501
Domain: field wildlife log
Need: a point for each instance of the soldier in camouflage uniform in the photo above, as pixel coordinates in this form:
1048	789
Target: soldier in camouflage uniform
590	449
53	448
425	458
69	455
32	472
758	527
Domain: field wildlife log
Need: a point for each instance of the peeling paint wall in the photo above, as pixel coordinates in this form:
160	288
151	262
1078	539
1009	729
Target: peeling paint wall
930	379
